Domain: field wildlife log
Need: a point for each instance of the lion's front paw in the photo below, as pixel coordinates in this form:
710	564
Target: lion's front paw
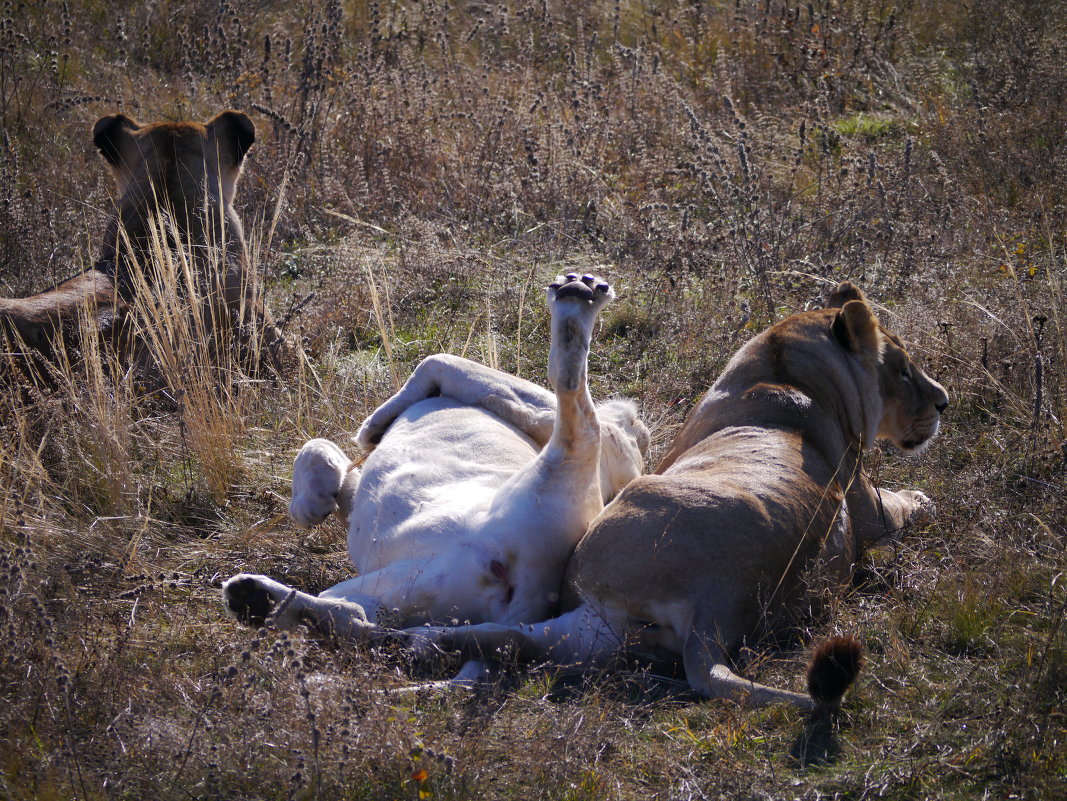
250	598
311	509
318	474
923	509
586	289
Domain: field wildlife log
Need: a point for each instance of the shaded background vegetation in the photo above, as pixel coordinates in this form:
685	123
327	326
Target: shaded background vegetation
422	169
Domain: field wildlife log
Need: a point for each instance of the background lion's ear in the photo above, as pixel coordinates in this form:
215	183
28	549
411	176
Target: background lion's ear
111	134
233	133
843	293
856	328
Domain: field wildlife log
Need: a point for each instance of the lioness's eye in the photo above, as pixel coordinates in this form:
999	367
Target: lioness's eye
904	374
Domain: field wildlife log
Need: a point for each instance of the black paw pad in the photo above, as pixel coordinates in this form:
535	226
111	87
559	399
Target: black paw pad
574	289
249	602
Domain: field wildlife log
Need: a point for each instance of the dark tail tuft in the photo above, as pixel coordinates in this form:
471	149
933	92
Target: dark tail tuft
833	667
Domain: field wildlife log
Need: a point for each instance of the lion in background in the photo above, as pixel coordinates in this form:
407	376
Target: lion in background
176	183
762	493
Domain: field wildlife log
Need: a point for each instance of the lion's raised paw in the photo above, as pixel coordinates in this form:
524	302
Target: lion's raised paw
586	288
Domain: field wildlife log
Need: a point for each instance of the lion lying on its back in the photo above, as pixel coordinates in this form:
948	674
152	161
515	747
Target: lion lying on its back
763	485
477	489
176	182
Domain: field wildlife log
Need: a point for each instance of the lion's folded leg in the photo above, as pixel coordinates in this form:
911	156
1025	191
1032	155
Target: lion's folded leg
525	405
919	509
880	515
475	642
584	635
324	481
344	620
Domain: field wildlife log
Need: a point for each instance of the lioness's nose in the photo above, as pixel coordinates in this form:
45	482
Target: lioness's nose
940	396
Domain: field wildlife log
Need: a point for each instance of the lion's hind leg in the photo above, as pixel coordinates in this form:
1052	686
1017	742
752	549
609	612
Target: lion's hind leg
574	302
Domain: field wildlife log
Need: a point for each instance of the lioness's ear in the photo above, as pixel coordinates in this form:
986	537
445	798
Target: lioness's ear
233	133
112	134
856	328
843	293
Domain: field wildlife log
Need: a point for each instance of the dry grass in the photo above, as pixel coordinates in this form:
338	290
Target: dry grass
422	169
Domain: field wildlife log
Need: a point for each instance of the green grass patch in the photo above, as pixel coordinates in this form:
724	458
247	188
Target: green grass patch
871	128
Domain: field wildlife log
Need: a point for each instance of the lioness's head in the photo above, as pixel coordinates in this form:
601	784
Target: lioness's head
912	402
189	169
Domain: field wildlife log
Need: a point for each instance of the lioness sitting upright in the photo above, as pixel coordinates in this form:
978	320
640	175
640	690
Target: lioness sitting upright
176	182
763	484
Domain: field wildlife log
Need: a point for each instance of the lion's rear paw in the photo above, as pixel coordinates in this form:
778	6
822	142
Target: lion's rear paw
923	511
248	598
587	289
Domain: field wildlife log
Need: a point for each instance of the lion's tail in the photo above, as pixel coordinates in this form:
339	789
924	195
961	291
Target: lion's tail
833	667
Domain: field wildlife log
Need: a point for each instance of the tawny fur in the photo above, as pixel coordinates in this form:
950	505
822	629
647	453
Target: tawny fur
177	178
